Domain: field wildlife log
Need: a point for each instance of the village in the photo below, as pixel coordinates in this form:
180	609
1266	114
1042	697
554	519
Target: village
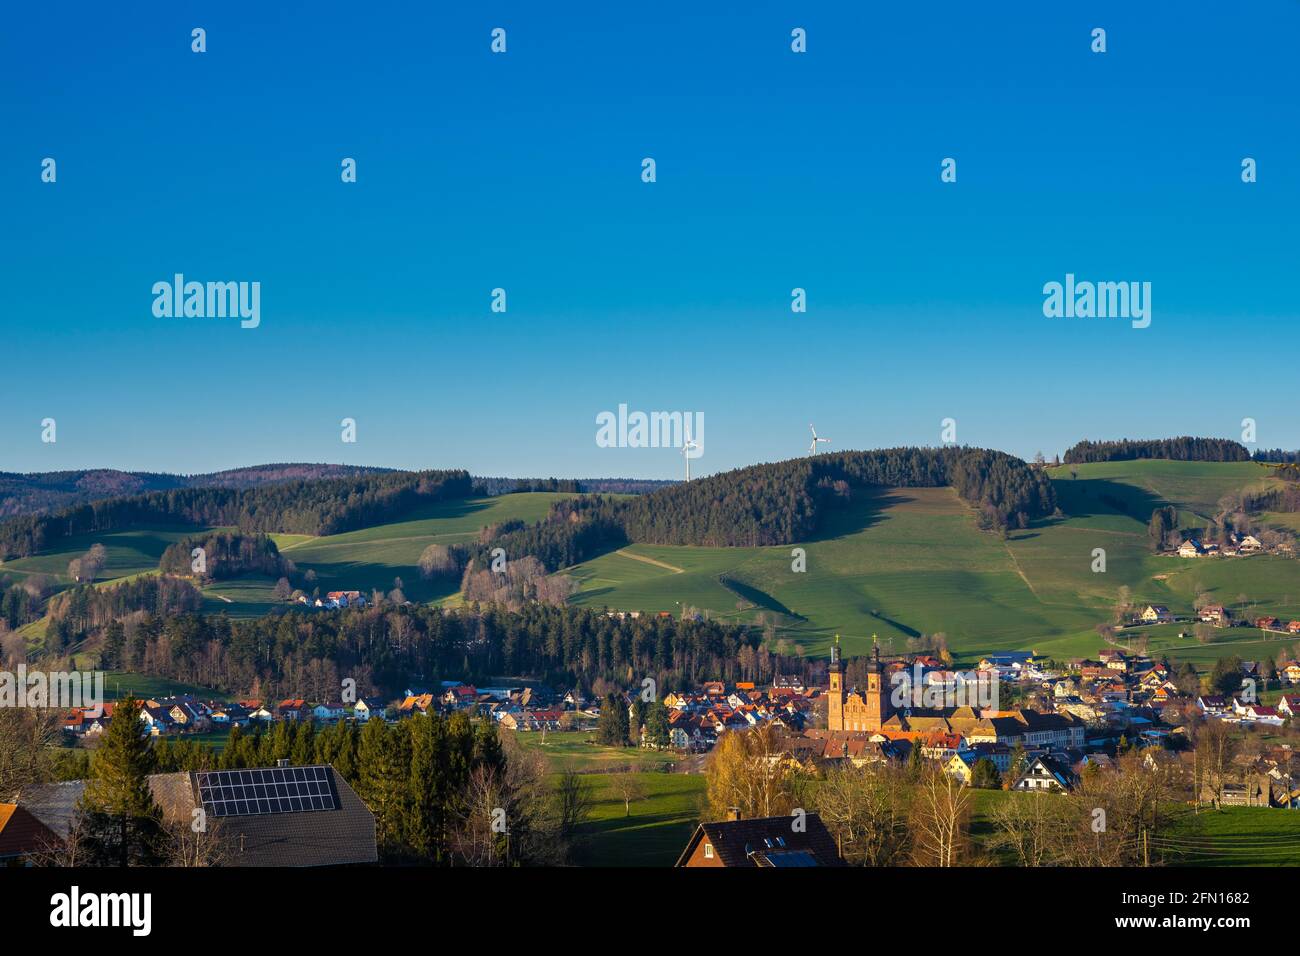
1050	722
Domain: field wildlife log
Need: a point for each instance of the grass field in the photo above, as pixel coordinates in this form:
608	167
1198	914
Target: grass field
911	561
1234	836
372	557
574	751
654	832
120	684
128	553
241	597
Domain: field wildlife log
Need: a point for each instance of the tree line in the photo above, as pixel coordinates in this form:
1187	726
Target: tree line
1173	449
327	506
387	648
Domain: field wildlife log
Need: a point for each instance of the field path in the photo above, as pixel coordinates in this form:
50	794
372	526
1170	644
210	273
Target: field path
1016	564
658	564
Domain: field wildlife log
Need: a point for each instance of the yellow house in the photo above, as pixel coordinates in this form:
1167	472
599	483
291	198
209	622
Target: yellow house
1156	614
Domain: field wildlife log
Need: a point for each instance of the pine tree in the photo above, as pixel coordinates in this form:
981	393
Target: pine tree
383	780
123	825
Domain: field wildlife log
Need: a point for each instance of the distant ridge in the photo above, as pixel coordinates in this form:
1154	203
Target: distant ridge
44	491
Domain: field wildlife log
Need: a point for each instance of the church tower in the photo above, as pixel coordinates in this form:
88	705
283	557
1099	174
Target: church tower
877	696
835	699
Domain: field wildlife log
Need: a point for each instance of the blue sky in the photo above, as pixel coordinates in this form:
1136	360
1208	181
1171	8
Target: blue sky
522	171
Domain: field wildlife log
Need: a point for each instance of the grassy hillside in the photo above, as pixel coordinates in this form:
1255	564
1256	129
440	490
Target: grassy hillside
128	553
910	561
894	563
373	557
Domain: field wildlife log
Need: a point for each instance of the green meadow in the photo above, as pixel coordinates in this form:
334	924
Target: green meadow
128	553
241	597
891	565
911	561
373	557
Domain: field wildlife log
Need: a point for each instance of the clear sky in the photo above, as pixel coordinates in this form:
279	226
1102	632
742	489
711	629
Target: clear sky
523	171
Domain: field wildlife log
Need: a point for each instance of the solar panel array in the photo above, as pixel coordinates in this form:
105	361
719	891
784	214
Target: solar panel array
234	793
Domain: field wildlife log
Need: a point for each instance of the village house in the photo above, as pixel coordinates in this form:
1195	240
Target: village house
1156	614
293	709
1288	704
368	707
460	697
328	713
761	842
339	599
1215	614
1046	772
417	704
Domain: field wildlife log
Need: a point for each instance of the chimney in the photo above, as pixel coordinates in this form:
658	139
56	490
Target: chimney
733	813
282	762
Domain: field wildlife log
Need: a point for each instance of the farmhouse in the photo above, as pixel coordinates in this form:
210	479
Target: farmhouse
1156	614
1215	614
1191	548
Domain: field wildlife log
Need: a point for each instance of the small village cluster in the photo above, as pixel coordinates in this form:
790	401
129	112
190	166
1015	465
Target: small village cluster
333	600
1218	615
1234	545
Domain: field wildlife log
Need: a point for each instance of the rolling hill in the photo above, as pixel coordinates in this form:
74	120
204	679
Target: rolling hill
894	563
908	561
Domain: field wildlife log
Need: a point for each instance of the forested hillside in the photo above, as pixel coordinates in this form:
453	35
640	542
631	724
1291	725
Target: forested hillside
783	502
1173	449
42	492
328	506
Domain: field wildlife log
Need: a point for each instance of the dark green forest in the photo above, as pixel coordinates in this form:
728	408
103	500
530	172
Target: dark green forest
327	506
1173	449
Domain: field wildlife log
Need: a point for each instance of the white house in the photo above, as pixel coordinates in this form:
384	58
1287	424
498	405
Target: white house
1157	614
368	707
327	713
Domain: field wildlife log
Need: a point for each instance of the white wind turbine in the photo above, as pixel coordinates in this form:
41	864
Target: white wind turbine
686	453
812	446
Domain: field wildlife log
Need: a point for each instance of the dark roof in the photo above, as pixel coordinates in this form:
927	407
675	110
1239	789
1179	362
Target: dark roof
306	838
767	841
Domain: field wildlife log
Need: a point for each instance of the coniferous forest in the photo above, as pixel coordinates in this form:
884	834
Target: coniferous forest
1173	449
328	506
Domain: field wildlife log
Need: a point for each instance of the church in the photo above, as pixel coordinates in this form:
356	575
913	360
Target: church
870	710
855	710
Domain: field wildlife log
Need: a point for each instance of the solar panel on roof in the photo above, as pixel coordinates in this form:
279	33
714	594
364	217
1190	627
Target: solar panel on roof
791	858
232	793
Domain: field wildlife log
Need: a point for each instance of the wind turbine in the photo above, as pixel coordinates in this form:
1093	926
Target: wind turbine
686	453
812	446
